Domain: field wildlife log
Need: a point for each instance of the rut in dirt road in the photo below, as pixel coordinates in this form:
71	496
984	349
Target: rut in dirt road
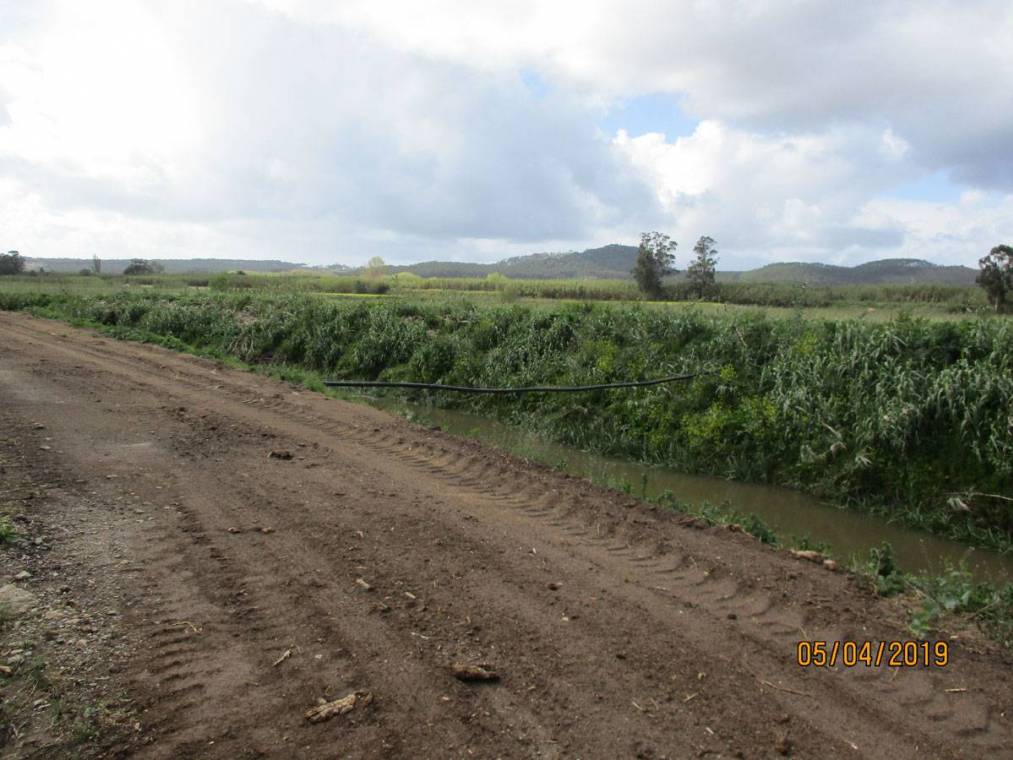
381	554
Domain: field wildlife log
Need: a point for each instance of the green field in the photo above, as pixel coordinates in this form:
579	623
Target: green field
870	302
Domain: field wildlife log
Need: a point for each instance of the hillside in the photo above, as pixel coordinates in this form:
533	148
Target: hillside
871	273
616	261
607	263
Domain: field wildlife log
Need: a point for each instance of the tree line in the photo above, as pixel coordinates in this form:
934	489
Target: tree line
656	259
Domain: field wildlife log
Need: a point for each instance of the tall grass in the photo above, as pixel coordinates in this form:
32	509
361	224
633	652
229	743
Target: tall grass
954	299
298	283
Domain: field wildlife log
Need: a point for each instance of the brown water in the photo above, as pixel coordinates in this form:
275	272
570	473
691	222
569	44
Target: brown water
789	513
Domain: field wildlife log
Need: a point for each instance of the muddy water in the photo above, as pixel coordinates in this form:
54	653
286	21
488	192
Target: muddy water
789	513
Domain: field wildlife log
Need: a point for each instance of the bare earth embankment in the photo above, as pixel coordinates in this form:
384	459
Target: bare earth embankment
180	561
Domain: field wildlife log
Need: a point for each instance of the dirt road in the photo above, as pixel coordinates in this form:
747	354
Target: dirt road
380	553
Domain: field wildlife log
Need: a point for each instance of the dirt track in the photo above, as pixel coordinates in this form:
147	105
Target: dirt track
618	631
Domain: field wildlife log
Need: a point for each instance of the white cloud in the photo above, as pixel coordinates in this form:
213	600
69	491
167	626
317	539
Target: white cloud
938	73
951	233
770	197
80	103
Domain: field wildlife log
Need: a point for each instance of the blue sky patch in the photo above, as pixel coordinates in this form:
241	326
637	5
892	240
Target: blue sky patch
936	187
657	112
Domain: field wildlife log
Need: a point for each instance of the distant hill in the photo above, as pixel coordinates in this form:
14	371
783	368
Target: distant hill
616	261
172	266
607	262
885	271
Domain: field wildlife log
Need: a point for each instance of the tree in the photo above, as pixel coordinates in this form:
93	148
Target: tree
11	263
655	259
140	266
701	272
996	275
96	264
376	267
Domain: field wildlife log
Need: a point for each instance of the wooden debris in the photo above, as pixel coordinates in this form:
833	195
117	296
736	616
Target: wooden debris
284	656
363	584
465	672
807	554
782	688
326	710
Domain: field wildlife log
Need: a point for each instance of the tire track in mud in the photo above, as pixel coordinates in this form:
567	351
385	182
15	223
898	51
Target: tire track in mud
662	589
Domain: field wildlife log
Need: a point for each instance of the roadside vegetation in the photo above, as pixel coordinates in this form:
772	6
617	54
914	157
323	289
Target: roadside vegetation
936	601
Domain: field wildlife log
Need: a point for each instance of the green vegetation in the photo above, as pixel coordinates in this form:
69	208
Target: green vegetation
896	416
298	283
141	266
726	516
701	273
883	272
937	597
11	263
8	534
996	276
874	302
655	260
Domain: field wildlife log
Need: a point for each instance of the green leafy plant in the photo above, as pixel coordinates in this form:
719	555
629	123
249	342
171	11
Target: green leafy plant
882	572
8	535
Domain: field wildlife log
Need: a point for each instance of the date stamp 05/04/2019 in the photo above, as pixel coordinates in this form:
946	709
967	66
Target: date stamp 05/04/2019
872	654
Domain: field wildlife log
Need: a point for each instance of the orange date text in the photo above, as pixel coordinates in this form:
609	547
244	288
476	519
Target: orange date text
872	654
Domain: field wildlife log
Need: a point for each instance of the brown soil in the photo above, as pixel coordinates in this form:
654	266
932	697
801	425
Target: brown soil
384	557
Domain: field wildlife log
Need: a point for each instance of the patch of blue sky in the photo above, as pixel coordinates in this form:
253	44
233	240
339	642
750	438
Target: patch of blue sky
536	85
656	112
936	187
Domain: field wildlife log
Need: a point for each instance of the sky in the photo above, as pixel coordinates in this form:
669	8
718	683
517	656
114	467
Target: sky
331	132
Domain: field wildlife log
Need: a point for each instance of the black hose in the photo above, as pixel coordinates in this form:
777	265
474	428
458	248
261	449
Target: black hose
531	389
